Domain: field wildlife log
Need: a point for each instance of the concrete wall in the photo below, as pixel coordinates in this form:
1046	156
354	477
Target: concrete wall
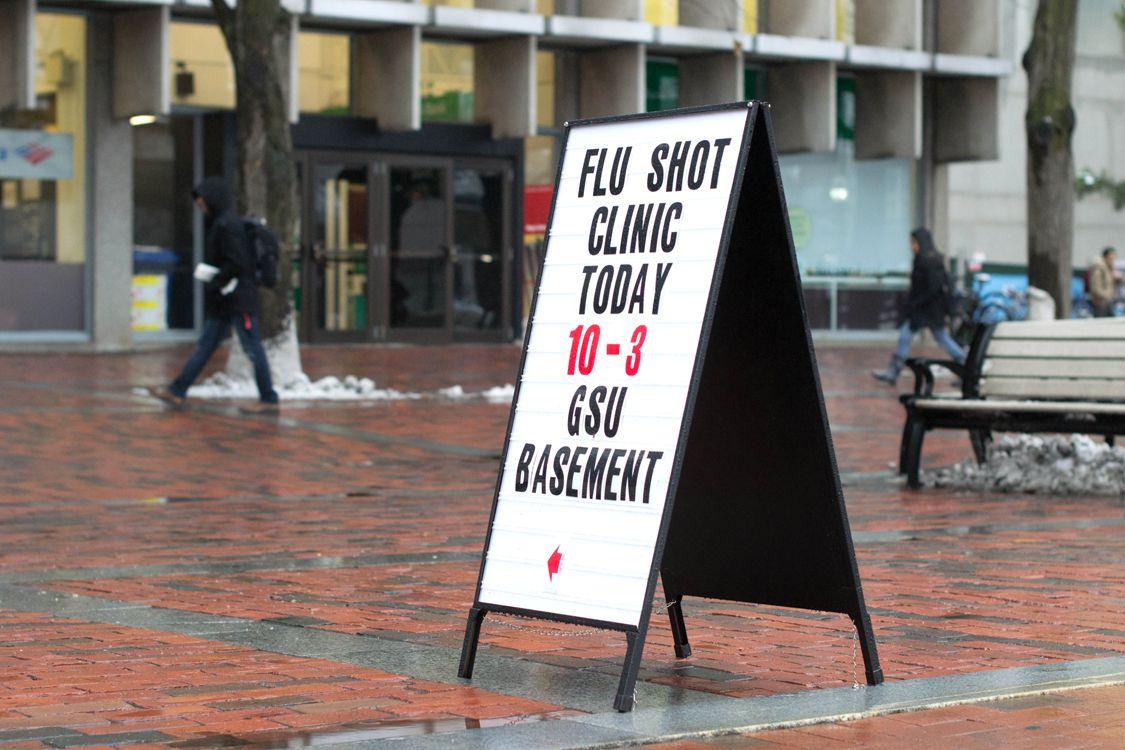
982	206
383	56
140	63
504	80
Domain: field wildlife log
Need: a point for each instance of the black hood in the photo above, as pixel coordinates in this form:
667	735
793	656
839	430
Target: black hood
216	194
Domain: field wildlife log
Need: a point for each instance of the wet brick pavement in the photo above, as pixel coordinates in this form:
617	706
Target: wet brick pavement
358	528
1078	720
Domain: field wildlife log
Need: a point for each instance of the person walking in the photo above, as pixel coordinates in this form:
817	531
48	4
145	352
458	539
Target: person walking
925	305
230	298
1103	278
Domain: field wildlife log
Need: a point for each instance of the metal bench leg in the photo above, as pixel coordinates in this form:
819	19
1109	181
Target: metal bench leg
981	440
902	448
915	434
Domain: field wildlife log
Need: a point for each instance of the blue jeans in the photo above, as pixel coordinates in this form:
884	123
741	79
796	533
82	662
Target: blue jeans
941	335
215	329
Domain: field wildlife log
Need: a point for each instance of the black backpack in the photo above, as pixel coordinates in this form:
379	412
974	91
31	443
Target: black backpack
265	248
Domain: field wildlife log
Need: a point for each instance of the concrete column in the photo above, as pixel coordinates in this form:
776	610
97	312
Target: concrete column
803	106
518	6
505	86
966	119
711	79
141	63
17	54
110	186
815	19
388	77
568	87
708	14
888	115
889	23
969	27
629	10
612	81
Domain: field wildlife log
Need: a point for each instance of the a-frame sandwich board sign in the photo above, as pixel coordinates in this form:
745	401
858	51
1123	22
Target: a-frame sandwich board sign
668	416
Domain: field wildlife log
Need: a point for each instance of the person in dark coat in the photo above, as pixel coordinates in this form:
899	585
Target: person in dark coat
230	297
925	305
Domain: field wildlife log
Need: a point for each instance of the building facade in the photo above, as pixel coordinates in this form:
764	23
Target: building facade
982	208
427	135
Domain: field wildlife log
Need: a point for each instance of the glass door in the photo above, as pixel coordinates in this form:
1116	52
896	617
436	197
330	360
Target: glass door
338	262
481	257
398	248
420	249
449	241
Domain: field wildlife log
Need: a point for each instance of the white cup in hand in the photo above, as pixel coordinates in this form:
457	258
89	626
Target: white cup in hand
205	272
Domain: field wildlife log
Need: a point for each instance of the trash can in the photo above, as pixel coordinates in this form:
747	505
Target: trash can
152	271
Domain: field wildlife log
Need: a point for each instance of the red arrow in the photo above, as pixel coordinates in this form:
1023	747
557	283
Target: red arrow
553	563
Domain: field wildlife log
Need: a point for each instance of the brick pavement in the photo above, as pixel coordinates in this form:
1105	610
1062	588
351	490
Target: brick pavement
367	520
138	686
1085	719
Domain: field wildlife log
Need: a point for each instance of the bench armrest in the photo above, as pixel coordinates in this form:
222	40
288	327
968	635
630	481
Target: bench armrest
924	374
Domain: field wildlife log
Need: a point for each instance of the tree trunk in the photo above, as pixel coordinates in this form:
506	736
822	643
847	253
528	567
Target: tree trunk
1050	121
258	35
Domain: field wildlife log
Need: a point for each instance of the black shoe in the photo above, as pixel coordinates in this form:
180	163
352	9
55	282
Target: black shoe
886	376
168	397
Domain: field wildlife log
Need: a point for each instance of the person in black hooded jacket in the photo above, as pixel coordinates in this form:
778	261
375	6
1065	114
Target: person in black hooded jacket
925	305
230	298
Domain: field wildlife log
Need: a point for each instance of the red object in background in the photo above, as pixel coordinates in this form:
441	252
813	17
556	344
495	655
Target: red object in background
536	208
553	563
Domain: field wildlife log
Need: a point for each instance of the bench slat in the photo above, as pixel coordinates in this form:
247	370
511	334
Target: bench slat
1055	368
1086	349
1055	407
1090	328
1091	389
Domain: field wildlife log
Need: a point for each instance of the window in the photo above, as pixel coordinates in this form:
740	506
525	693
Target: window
447	82
662	12
202	74
323	69
849	217
662	85
43	220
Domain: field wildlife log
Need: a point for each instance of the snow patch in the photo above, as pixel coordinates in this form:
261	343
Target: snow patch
500	394
1055	465
221	386
300	388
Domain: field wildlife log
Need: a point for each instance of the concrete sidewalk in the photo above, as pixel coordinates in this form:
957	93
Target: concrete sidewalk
205	579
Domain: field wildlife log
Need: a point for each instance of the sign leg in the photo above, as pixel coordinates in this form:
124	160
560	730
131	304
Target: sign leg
679	628
469	647
625	689
871	666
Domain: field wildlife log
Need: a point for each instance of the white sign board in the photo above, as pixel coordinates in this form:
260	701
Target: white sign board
639	215
35	154
150	302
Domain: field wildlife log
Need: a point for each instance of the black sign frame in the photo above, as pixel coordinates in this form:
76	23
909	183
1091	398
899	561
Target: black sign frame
702	546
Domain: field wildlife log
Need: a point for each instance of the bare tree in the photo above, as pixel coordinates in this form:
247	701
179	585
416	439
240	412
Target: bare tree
1050	121
258	36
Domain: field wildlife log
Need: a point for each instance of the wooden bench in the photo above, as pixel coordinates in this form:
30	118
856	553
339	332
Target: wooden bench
1042	376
